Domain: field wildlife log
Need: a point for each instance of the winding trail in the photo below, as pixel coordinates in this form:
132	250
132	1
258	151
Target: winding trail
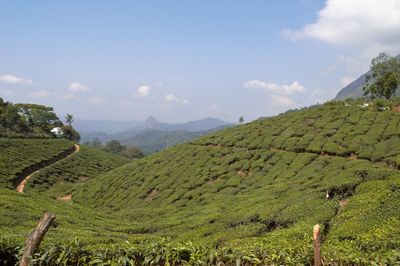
22	185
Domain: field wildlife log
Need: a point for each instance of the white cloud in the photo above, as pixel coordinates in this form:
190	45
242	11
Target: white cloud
68	96
142	92
46	93
346	80
372	24
295	87
280	100
96	100
173	98
41	94
78	87
16	80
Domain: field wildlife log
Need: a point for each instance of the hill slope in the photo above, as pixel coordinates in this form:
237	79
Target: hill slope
264	184
354	89
151	141
59	169
23	156
59	178
246	195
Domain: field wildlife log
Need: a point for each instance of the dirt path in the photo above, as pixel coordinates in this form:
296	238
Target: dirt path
22	185
66	198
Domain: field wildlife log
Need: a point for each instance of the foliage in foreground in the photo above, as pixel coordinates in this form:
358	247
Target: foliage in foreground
165	252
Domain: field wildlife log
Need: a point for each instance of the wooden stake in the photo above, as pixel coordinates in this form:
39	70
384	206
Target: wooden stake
35	237
317	245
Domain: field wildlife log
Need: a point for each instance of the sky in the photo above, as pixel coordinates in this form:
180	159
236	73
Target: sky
185	60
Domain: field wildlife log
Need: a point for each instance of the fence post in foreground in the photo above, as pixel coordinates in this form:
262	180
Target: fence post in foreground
35	237
317	245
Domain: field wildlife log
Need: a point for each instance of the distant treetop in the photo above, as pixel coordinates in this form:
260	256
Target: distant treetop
385	77
26	120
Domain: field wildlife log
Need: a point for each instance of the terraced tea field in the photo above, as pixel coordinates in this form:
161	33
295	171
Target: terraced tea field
61	177
265	183
334	129
246	195
18	155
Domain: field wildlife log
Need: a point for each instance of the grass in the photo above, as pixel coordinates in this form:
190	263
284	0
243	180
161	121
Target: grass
331	128
19	154
59	178
249	194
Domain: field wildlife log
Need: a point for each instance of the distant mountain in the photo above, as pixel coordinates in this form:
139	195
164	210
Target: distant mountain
105	126
152	135
203	124
150	141
355	89
101	136
192	126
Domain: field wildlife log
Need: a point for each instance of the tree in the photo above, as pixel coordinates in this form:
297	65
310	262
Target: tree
384	79
69	119
96	143
70	133
241	119
132	152
36	115
114	146
10	120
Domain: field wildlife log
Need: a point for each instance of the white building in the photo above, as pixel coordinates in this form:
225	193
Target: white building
57	131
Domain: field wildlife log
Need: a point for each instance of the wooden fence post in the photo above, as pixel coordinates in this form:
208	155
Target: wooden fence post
317	245
35	237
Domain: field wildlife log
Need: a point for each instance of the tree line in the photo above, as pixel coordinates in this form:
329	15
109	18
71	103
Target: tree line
115	147
26	120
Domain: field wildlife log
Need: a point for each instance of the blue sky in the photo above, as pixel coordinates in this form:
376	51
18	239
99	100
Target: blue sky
183	60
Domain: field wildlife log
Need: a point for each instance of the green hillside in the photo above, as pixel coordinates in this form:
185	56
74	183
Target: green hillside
249	194
17	155
263	185
336	129
20	212
151	141
88	163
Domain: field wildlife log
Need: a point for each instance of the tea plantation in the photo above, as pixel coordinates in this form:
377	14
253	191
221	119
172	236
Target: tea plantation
82	166
244	196
342	129
17	155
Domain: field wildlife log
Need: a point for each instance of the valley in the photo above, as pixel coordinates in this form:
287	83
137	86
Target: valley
250	193
151	135
200	133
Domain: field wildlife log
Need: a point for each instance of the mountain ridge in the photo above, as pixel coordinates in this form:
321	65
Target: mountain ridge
196	125
115	126
152	135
